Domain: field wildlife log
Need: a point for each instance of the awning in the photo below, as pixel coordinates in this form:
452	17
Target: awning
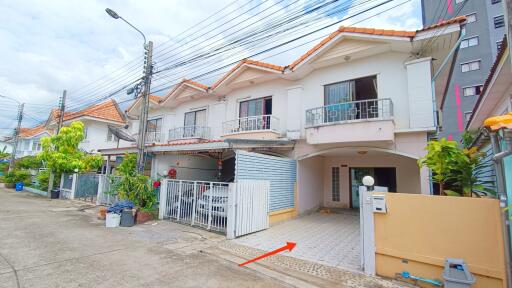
121	133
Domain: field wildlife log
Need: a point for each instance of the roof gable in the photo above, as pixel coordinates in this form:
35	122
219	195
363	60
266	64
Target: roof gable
184	91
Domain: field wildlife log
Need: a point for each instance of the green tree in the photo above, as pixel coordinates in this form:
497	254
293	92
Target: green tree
4	154
29	162
442	158
61	154
133	186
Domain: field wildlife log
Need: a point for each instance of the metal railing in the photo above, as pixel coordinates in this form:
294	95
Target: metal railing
153	137
252	123
197	203
375	109
188	132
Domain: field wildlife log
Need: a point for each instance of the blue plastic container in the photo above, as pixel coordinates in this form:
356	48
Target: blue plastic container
19	186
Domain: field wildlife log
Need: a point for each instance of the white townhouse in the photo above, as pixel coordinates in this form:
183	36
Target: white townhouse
101	121
361	102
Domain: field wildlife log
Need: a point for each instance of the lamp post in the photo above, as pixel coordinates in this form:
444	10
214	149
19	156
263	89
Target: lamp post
148	70
368	181
16	131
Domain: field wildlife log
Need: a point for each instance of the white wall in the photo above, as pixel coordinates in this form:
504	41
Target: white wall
310	184
97	137
188	167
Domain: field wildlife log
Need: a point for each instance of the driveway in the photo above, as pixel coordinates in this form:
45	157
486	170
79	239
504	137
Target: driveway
329	239
58	243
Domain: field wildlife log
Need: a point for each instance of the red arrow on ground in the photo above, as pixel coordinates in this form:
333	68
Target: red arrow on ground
289	246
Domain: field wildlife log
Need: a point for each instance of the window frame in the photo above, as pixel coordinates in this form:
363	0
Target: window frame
470	14
503	21
468	41
472	86
466	113
247	100
335	183
479	61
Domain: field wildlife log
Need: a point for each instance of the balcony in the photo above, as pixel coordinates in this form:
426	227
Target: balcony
189	132
254	127
153	137
356	121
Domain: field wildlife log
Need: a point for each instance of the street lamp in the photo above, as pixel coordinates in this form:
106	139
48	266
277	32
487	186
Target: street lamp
114	15
17	131
148	70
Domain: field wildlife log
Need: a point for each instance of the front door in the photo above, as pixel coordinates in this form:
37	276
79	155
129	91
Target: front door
356	180
383	176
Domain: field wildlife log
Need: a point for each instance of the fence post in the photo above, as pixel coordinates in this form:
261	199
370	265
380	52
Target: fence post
194	203
210	202
73	186
179	200
162	207
231	213
101	178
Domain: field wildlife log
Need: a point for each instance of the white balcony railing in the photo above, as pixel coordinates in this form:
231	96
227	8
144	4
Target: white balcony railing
153	137
375	109
252	123
189	132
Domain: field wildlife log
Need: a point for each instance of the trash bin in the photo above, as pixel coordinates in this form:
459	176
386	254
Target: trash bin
19	186
456	274
55	194
127	219
112	220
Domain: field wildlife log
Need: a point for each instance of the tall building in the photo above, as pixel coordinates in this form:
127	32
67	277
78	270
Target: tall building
484	30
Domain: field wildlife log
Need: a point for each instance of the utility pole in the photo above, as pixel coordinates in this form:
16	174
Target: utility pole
62	108
143	119
16	136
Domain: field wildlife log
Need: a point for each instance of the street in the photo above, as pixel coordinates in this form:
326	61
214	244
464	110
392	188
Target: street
61	243
54	244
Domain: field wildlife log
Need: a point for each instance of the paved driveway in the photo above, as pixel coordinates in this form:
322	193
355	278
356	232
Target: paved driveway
55	243
329	239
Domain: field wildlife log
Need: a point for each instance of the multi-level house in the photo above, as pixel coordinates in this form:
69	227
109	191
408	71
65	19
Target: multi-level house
360	102
483	33
100	121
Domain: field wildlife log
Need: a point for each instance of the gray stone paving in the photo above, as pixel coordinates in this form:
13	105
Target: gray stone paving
328	239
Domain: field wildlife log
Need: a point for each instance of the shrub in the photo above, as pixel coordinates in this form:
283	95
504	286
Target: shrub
16	176
43	180
29	162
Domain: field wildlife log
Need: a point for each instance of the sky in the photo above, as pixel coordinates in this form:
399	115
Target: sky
49	46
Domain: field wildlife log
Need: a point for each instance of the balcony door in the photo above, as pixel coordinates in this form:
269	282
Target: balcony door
255	114
350	100
195	123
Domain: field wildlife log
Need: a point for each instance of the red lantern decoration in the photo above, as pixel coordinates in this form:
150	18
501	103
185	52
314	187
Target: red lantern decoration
156	184
172	173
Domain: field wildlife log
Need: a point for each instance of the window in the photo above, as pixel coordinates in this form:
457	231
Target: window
499	44
195	122
470	66
472	90
335	184
468	42
256	107
36	145
470	18
495	1
467	115
463	29
153	130
111	137
459	1
499	21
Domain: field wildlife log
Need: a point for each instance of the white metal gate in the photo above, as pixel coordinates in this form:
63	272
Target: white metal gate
232	208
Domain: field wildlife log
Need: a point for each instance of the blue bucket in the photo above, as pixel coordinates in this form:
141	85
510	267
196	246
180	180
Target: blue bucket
19	186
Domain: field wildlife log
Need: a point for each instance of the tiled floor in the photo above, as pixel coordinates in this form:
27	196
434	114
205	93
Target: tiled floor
329	239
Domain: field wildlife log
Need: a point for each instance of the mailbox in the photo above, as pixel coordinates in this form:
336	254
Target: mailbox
379	204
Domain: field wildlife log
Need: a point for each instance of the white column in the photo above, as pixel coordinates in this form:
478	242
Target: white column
163	199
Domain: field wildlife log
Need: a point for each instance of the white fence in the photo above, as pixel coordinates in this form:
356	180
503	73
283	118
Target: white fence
232	208
90	187
106	195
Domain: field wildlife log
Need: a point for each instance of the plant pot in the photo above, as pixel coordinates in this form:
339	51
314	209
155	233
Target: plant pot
9	185
143	216
102	214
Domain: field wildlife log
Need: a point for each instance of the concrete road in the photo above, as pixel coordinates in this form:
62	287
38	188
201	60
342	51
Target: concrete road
58	243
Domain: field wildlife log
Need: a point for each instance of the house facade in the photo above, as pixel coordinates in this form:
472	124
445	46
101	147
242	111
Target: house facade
361	102
97	120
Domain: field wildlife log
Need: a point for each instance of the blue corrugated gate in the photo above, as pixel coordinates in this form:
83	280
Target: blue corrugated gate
281	172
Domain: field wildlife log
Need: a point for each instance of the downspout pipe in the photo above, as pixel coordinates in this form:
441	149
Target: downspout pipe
441	68
502	196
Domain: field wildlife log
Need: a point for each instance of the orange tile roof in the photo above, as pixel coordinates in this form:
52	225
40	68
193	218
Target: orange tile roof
30	132
248	62
107	110
372	31
155	98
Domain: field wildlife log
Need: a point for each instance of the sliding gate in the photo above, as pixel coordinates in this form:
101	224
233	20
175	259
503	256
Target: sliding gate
232	208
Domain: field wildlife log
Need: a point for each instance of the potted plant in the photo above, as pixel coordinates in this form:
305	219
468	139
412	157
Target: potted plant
136	188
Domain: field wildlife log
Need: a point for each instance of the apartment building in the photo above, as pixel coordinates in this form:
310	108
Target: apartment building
483	33
358	103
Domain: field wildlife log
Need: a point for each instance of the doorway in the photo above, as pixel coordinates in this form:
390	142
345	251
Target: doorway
384	177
